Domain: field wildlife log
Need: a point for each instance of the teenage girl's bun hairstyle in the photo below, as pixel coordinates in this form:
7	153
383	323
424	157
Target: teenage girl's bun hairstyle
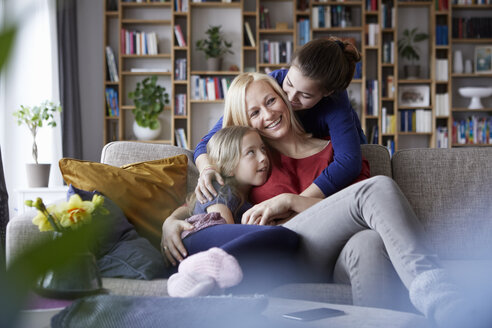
330	61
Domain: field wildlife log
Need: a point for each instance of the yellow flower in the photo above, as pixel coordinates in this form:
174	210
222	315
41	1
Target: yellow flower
67	215
42	221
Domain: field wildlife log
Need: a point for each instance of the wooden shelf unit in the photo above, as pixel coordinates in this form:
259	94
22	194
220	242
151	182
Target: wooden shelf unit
291	14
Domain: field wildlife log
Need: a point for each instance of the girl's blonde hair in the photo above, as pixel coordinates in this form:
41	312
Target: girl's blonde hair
235	111
224	153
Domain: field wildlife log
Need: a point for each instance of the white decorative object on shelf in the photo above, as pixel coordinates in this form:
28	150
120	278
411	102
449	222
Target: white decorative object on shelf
146	133
475	93
468	66
458	62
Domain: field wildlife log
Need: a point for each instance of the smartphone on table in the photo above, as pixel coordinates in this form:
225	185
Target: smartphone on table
313	314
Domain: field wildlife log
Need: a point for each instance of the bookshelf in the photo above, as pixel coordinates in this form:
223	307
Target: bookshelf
374	27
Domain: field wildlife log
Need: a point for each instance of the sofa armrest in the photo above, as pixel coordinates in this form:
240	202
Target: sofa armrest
22	234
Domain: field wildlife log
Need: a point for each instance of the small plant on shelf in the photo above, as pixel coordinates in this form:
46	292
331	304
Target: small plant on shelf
408	50
214	47
149	99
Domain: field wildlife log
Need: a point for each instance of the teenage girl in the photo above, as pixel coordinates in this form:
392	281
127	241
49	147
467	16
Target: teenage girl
220	253
316	85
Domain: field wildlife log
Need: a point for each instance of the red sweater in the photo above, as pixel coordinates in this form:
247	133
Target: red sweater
290	175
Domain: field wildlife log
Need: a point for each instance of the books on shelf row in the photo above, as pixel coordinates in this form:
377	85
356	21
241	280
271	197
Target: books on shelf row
471	2
181	138
442	104
180	104
373	137
388	122
303	31
389	87
331	16
180	69
372	32
249	35
473	27
111	65
388	15
372	97
442	35
181	5
388	52
144	1
138	43
275	52
358	70
442	137
441	69
441	4
209	88
416	120
371	5
473	130
179	36
112	106
265	22
390	145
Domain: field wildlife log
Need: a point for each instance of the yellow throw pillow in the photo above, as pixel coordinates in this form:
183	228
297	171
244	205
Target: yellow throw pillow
147	192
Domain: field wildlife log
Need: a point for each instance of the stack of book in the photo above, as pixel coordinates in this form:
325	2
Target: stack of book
138	43
209	88
111	63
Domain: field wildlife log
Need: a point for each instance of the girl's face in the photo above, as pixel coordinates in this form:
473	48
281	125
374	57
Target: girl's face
303	93
252	169
267	111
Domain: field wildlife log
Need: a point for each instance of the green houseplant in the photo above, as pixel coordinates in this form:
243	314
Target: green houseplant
34	118
149	99
408	50
214	47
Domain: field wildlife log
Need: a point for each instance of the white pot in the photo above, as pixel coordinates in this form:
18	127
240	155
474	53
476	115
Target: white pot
146	133
38	175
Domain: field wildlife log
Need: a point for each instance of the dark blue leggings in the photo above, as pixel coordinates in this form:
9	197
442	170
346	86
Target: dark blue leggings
267	254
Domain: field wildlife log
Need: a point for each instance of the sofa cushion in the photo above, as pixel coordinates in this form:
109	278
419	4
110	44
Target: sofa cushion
120	153
450	191
147	192
119	250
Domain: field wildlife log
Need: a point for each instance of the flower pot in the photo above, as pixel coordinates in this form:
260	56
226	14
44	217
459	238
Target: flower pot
411	71
38	175
213	64
78	278
146	133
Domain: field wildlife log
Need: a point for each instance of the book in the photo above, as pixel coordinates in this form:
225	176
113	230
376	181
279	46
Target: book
249	34
182	138
179	36
111	62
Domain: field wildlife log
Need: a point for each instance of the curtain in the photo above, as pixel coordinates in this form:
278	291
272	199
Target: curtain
4	212
66	21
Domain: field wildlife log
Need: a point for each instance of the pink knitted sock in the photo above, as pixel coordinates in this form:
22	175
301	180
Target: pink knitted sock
186	285
215	263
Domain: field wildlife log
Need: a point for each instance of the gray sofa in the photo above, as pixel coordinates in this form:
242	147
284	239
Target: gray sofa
450	190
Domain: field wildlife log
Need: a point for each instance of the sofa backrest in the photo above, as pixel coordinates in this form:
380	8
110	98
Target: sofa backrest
119	153
451	193
378	158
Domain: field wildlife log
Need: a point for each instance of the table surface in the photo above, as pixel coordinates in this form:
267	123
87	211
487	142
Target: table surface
355	316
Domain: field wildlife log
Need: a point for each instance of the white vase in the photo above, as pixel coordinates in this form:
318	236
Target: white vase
38	175
468	66
458	62
146	133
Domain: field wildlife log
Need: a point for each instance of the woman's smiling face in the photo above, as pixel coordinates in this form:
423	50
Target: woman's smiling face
267	111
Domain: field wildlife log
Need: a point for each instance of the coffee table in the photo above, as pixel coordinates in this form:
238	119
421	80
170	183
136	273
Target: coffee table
356	316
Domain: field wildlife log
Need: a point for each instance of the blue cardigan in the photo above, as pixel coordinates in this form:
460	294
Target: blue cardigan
332	116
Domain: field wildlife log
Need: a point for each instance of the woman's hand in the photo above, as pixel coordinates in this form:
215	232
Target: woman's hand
171	243
204	189
269	211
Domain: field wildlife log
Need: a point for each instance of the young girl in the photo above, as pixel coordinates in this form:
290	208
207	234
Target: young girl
222	252
316	86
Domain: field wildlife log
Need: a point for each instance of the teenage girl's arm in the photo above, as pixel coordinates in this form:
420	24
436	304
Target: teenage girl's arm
278	207
340	119
204	189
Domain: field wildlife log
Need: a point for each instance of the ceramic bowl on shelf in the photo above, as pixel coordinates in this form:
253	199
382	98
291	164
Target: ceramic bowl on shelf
475	93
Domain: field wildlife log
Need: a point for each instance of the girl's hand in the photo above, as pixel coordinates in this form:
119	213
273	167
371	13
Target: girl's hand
171	243
204	189
269	211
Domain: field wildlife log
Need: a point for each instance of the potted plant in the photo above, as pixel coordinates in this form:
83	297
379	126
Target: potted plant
149	99
34	118
214	47
408	50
